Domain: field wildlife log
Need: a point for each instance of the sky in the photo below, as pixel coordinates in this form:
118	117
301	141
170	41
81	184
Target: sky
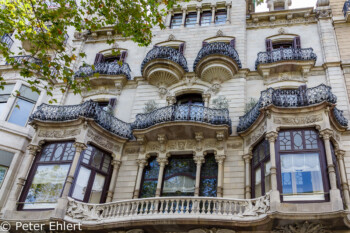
295	4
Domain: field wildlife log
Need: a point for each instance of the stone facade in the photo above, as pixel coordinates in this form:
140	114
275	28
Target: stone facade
291	64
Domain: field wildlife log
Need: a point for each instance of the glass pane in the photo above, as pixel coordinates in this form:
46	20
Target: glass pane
20	115
106	163
191	20
206	19
301	177
311	139
26	92
220	17
46	186
150	179
87	154
267	167
69	152
176	21
3	105
7	89
97	160
284	140
209	177
97	188
58	152
81	183
257	184
47	152
3	171
298	140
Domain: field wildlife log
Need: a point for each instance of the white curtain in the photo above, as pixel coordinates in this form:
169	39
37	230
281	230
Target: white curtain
183	184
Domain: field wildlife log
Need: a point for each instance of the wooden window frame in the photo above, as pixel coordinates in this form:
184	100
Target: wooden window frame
261	165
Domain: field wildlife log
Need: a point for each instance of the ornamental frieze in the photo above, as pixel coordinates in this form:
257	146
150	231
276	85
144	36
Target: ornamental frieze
305	227
256	134
298	120
103	141
281	22
63	133
132	150
212	230
234	145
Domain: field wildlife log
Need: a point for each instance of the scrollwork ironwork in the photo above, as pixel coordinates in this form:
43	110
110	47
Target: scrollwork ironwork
108	68
6	38
346	7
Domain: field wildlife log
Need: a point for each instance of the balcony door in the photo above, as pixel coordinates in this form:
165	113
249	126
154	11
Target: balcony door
190	107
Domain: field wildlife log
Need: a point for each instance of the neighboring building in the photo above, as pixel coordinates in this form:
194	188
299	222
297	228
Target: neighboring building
249	131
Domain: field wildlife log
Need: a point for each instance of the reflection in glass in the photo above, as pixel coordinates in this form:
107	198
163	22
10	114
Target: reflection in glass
150	179
81	183
97	188
3	171
20	114
209	177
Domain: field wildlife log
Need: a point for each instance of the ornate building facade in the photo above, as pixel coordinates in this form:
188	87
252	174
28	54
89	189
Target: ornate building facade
245	128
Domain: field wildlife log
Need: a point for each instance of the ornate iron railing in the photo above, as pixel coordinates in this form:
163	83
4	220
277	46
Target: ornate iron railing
220	48
25	58
291	98
346	7
169	207
285	54
87	109
111	68
182	113
167	53
6	38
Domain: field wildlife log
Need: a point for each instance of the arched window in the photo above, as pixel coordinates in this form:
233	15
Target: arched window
93	176
209	177
47	176
180	176
261	169
302	171
150	179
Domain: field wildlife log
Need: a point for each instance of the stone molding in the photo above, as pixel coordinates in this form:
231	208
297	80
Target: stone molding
305	227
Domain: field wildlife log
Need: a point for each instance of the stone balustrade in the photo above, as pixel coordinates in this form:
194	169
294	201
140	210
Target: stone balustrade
169	207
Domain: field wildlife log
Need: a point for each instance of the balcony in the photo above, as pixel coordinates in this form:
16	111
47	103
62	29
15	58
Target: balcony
105	68
346	11
164	66
25	59
217	62
285	60
6	38
169	210
89	109
292	99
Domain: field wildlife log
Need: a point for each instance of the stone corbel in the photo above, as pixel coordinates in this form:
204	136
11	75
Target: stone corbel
162	90
162	139
171	100
142	141
199	139
220	135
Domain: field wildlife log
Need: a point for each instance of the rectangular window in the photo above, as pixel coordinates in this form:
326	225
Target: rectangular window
3	171
176	21
191	20
23	106
220	17
301	177
206	18
4	96
5	162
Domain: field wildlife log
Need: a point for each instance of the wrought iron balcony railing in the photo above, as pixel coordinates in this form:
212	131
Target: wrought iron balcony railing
285	54
26	58
111	68
167	53
291	99
6	38
346	7
183	113
87	109
219	48
169	207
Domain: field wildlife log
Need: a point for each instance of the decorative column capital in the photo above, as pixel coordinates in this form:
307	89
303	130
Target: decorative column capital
271	136
162	139
33	149
162	161
340	154
116	163
220	158
199	159
79	146
142	162
326	134
247	157
171	100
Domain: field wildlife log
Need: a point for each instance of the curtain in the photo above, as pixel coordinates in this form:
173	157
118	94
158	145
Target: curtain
182	184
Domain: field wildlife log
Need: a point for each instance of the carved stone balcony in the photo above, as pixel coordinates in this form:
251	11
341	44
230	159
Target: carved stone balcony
188	116
217	62
89	109
346	10
153	211
285	60
164	66
292	99
105	68
7	40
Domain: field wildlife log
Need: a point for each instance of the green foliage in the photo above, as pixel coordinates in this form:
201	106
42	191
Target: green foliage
250	105
44	24
220	102
150	106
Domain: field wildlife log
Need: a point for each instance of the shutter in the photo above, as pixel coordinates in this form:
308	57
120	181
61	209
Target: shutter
99	58
268	43
296	42
233	43
182	48
123	55
112	102
204	43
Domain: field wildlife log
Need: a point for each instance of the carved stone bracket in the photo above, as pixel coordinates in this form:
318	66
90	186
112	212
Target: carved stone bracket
79	147
199	138
33	149
162	139
271	136
301	228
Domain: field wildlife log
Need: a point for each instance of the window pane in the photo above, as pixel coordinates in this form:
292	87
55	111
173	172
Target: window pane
47	152
81	183
87	155
257	182
176	21
301	177
26	92
206	19
97	187
298	140
220	17
7	89
209	177
46	186
3	171
96	161
267	167
106	163
150	179
284	140
191	20
311	139
69	152
20	115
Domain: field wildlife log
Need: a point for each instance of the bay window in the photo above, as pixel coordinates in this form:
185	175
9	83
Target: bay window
150	179
302	167
47	176
261	169
5	162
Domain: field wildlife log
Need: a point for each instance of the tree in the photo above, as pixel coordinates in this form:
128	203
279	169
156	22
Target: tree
44	25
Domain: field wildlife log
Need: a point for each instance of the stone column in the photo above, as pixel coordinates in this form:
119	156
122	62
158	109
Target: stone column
79	147
198	15
199	160
116	165
271	137
213	14
162	163
247	161
220	160
142	164
168	19
340	157
206	98
184	10
334	192
228	11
